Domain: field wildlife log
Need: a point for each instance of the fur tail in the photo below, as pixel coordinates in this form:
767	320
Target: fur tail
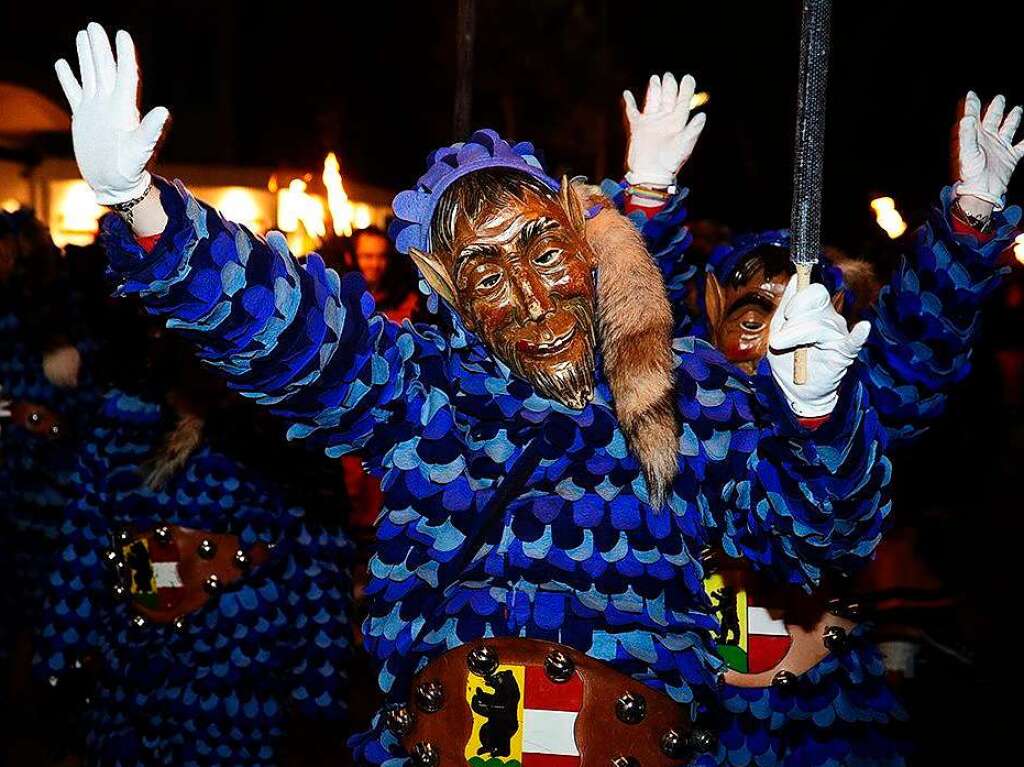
635	327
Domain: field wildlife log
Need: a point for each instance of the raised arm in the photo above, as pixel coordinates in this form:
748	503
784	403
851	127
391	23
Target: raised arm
662	138
294	337
799	488
926	320
664	231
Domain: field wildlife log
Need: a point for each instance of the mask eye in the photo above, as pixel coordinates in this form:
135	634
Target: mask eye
489	281
548	257
752	326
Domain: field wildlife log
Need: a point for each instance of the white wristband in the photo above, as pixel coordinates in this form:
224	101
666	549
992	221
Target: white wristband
998	201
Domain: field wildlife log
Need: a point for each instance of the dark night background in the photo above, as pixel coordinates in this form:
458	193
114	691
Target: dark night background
270	82
282	83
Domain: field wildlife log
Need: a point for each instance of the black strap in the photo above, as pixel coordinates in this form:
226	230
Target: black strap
491	515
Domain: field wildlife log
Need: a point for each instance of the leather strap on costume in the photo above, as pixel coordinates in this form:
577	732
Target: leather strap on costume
768	631
171	571
37	419
523	701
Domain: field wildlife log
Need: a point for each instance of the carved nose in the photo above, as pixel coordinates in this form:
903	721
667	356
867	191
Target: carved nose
535	310
535	301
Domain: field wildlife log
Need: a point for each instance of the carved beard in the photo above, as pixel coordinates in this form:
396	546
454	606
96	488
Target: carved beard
570	383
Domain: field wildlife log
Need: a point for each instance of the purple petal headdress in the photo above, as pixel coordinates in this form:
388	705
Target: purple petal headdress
414	208
725	259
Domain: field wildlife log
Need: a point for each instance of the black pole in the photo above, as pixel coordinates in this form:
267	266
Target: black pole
465	31
809	150
809	144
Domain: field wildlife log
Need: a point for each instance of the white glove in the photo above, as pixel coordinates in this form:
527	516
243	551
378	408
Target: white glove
662	137
808	318
111	146
987	153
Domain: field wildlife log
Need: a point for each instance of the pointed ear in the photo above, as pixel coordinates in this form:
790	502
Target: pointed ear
714	303
572	205
838	300
435	273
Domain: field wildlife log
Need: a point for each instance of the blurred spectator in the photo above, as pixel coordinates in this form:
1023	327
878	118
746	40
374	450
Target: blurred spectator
42	373
172	464
391	280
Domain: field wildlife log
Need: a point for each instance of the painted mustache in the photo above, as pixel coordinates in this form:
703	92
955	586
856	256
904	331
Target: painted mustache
547	346
533	354
548	338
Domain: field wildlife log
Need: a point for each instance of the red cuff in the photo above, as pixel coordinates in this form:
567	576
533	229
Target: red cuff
650	211
812	423
962	227
148	242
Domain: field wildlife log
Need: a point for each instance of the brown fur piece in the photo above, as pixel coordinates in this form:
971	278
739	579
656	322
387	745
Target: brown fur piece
635	329
174	452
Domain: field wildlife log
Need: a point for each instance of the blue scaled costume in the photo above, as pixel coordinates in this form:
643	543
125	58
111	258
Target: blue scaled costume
217	688
925	322
36	460
578	555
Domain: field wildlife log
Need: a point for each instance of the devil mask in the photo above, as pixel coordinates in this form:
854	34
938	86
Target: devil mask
543	285
510	254
741	305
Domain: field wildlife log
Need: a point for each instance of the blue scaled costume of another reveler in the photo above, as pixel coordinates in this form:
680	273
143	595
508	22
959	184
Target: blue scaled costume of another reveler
925	322
508	514
50	402
207	607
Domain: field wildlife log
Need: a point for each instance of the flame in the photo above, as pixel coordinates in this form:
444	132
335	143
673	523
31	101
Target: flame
342	211
75	215
238	204
1018	248
887	217
699	99
295	205
10	205
362	215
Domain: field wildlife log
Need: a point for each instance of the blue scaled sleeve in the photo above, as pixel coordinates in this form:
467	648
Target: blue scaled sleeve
292	336
926	320
795	501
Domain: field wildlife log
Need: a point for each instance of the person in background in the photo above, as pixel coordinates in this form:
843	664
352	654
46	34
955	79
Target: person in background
390	280
924	325
201	577
392	283
45	399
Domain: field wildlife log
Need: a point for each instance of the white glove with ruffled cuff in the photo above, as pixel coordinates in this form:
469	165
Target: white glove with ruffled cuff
987	153
662	137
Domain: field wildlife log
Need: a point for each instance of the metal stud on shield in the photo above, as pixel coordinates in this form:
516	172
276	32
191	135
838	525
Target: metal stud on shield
399	720
559	666
430	697
482	661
